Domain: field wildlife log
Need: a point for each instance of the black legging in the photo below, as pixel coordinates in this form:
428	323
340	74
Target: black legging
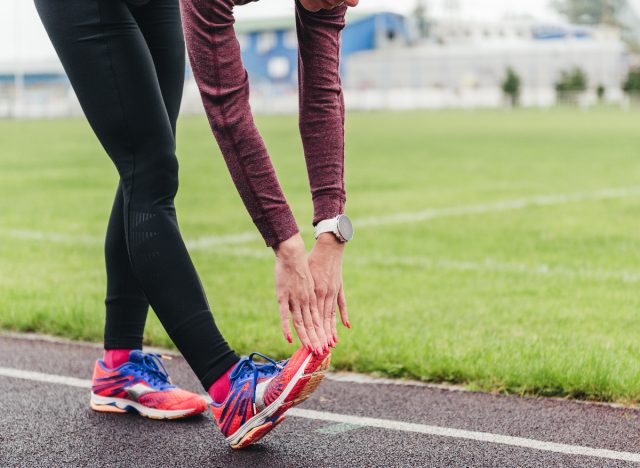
126	65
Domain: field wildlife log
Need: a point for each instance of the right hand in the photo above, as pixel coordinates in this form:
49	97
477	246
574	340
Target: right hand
317	5
295	291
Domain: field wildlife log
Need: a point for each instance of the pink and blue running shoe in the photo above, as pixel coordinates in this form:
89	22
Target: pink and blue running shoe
142	384
262	392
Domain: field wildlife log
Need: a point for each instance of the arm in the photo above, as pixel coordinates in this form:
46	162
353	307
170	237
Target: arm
322	131
215	57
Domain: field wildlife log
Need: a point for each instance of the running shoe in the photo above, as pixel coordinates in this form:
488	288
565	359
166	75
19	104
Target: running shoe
262	392
142	384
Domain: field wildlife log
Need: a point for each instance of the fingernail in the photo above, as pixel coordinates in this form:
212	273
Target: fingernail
289	339
348	324
335	339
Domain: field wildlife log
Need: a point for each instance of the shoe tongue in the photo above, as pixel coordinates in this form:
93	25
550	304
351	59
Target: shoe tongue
136	356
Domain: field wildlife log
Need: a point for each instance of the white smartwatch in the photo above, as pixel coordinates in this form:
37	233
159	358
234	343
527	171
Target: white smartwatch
340	226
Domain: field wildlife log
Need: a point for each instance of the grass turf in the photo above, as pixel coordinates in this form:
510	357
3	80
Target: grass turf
540	300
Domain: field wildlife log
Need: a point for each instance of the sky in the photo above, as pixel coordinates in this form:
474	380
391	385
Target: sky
22	37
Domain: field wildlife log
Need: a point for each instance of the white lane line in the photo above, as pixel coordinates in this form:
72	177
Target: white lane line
469	435
211	242
387	424
45	378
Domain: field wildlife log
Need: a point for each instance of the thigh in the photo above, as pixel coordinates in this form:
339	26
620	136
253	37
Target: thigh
111	70
161	25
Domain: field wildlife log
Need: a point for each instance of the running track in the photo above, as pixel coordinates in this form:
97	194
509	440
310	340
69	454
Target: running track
45	421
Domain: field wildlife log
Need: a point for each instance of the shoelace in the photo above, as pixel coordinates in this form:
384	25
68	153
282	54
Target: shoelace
246	366
154	369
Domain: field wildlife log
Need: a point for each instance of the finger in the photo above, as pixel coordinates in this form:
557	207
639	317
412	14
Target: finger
342	304
298	325
329	307
284	319
351	3
320	298
316	316
310	328
334	327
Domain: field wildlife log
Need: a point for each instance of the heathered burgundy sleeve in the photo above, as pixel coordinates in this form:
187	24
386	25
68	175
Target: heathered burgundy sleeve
214	53
322	107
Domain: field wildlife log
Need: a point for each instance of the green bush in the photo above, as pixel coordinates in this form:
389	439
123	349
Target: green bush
632	83
511	86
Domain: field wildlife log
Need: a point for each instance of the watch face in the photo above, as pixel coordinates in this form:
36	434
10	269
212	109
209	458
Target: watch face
345	228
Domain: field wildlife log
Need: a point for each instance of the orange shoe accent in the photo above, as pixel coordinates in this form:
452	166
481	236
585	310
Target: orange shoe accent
106	409
256	434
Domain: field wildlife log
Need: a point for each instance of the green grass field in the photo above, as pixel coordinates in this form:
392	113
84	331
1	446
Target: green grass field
536	298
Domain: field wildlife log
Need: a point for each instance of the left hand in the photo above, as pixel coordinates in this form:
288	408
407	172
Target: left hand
325	263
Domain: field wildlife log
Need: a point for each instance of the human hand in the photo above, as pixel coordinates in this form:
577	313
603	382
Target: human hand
317	5
296	296
325	263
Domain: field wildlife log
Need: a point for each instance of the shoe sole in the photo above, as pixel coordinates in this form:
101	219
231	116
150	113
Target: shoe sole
302	385
120	405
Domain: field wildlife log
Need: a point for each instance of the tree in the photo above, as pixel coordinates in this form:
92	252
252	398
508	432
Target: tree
601	91
511	86
589	11
631	86
571	84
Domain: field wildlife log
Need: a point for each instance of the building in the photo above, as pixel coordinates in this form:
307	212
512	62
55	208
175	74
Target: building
463	63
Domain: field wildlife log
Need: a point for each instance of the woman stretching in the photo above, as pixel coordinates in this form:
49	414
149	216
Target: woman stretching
125	61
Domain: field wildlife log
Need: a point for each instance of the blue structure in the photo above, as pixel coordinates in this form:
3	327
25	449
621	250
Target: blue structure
269	47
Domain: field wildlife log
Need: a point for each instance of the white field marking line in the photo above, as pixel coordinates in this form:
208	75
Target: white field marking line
387	424
499	206
488	265
210	242
54	237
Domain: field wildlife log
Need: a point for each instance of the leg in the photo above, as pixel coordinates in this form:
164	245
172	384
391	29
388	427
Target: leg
217	66
113	74
126	303
322	107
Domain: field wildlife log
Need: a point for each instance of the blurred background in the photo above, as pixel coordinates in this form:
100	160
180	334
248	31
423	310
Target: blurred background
401	54
493	168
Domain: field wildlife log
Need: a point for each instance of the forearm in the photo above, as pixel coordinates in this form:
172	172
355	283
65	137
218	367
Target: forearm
322	107
215	57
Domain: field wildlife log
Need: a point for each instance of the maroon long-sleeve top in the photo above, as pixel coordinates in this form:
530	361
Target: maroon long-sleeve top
215	57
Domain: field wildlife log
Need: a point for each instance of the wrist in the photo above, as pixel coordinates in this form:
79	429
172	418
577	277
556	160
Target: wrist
329	239
290	248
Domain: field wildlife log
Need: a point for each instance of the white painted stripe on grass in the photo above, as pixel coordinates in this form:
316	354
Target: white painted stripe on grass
490	265
463	434
211	242
388	424
485	266
54	237
499	206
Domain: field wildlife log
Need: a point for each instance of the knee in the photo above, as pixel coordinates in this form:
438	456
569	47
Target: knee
155	181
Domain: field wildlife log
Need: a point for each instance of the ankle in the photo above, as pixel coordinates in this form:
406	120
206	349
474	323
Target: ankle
220	388
115	357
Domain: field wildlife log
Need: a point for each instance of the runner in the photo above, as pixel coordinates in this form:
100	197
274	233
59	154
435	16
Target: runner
125	61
